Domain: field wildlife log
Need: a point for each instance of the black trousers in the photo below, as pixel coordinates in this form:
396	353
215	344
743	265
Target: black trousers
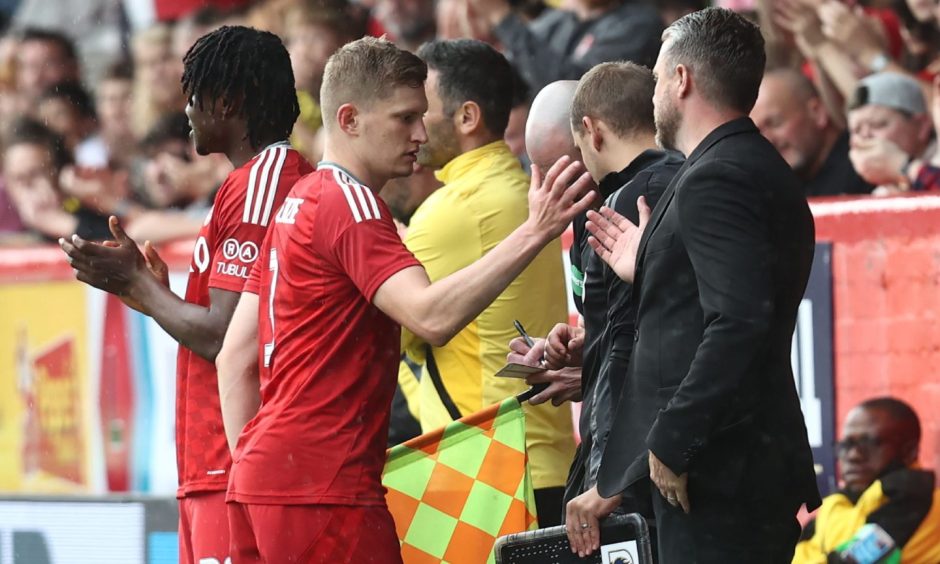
723	530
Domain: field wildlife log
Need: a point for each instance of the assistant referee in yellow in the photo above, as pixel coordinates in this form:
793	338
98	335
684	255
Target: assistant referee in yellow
484	198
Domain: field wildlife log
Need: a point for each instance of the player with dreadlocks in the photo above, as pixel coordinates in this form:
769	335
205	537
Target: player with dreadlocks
242	104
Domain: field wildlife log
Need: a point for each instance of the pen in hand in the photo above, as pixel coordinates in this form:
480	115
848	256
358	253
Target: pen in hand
528	340
525	336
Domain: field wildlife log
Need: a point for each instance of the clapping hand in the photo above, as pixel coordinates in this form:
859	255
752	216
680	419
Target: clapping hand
849	27
798	17
616	240
114	266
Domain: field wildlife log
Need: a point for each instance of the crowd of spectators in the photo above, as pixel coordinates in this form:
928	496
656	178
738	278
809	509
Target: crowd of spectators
848	100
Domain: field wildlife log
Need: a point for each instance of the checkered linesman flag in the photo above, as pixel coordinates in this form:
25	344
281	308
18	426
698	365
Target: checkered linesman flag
454	491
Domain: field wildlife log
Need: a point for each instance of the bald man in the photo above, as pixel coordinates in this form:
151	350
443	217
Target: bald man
548	128
792	116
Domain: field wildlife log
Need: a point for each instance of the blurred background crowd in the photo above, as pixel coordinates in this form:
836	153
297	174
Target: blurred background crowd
92	122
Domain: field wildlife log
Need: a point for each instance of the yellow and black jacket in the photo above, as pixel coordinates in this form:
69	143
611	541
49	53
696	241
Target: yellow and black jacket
903	502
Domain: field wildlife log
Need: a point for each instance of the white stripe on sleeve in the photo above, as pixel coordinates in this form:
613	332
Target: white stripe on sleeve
275	181
252	179
264	186
349	197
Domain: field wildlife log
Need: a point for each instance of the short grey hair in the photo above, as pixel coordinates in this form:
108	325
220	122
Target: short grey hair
725	52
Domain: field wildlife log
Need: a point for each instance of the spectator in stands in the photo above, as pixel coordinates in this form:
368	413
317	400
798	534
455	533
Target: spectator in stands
114	107
314	30
67	109
172	184
563	44
891	132
839	42
483	199
409	23
883	486
166	145
921	36
157	77
794	118
169	175
44	58
33	157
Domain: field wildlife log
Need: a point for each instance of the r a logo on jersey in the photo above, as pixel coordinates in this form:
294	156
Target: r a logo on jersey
289	210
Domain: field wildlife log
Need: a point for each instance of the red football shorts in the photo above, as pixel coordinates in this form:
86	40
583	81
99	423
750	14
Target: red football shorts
203	533
276	534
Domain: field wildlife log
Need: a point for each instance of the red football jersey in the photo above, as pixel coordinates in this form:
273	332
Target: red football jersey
227	246
328	357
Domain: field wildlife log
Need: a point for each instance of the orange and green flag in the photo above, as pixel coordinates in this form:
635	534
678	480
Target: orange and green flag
454	491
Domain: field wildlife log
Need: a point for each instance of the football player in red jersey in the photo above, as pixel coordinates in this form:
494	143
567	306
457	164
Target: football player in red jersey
316	336
242	103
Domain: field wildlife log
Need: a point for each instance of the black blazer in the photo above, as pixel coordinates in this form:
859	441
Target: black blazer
721	271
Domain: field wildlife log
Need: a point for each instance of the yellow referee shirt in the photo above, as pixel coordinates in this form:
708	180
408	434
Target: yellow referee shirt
484	198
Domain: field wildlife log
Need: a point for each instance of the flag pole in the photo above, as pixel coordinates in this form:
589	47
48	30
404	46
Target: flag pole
527	395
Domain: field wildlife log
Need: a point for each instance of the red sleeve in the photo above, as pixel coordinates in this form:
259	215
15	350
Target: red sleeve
253	284
370	252
891	25
237	242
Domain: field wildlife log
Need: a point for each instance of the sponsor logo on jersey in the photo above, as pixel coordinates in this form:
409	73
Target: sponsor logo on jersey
231	269
246	252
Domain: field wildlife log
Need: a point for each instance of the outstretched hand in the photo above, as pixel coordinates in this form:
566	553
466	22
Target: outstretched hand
616	240
564	193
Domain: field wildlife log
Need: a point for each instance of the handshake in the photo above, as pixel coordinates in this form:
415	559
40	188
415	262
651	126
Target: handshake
559	355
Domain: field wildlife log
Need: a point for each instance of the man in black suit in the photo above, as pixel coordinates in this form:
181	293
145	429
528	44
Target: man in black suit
709	421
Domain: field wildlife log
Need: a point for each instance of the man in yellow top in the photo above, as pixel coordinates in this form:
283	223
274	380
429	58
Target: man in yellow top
886	496
483	199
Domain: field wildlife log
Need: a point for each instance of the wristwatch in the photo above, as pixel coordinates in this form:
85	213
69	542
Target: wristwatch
879	63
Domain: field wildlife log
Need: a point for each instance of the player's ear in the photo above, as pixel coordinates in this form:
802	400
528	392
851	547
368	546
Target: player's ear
592	131
468	118
347	116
